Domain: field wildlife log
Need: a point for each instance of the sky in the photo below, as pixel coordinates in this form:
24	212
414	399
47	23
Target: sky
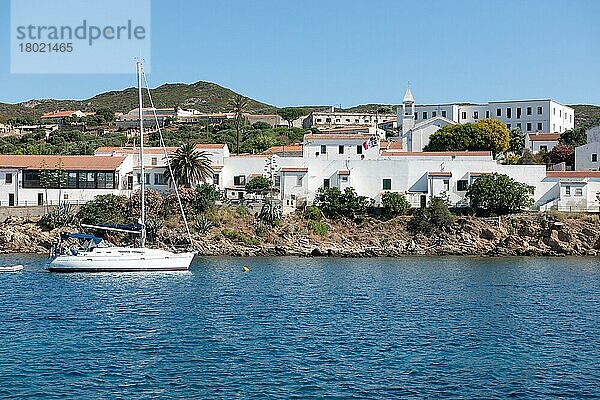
350	52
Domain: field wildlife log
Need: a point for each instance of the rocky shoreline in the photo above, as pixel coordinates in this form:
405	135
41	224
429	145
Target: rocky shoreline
532	234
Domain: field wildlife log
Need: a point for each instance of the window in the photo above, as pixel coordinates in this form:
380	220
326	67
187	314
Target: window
8	178
72	180
337	120
559	113
345	178
326	183
106	180
539	126
554	127
299	180
508	126
434	113
327	119
475	114
519	125
519	112
487	114
319	120
540	110
567	190
528	110
323	149
444	114
553	110
509	112
446	185
578	192
387	184
159	179
66	196
216	179
239	180
359	149
424	114
347	119
498	112
529	127
356	121
544	149
463	115
340	149
416	115
154	161
594	157
462	185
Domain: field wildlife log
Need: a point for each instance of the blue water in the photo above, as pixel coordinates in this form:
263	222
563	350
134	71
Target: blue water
305	328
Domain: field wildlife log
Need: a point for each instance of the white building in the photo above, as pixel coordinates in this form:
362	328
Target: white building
544	142
586	156
332	118
529	115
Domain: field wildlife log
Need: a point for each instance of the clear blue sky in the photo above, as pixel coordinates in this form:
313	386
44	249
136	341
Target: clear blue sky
352	52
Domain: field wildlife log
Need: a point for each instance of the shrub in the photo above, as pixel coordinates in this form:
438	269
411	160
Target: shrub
205	197
61	216
152	228
435	216
105	209
499	194
336	204
259	185
394	204
239	237
242	211
154	201
203	225
270	212
313	213
318	228
261	230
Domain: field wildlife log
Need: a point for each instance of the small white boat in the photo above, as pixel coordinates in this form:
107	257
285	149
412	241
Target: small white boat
11	268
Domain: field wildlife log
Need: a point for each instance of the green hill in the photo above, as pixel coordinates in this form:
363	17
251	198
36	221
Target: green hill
203	96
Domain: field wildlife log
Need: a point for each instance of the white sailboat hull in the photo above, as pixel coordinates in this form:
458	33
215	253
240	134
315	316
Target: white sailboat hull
121	259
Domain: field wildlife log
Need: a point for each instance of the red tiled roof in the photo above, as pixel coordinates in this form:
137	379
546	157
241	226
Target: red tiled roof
93	163
59	114
136	150
255	175
544	137
440	173
281	149
343	172
438	153
292	169
212	146
476	174
322	136
216	167
573	174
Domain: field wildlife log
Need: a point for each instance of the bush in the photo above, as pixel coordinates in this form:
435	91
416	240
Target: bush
313	213
259	185
152	228
394	204
239	237
203	225
499	194
270	212
242	211
155	205
435	216
335	204
318	228
261	230
61	216
205	197
105	209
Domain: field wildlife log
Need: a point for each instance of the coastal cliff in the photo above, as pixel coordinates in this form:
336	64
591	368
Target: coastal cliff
535	234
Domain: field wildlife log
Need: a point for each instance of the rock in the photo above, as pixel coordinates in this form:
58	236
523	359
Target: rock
488	234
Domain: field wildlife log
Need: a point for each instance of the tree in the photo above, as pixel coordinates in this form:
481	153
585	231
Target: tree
516	141
336	204
205	197
562	153
499	194
190	166
573	137
485	135
238	106
529	158
290	114
259	185
433	217
105	209
493	136
394	204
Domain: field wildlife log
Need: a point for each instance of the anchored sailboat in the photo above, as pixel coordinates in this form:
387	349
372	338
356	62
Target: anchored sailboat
96	256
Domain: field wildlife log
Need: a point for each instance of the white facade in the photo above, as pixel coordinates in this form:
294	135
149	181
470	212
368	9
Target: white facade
586	156
332	118
541	142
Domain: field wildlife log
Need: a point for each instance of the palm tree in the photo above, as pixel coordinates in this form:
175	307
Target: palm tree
190	166
238	106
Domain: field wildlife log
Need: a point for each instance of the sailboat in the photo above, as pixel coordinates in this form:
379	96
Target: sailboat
98	256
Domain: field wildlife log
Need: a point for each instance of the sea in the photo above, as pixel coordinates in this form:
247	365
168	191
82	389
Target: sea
304	328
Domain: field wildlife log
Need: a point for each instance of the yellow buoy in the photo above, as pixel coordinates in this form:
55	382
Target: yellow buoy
246	269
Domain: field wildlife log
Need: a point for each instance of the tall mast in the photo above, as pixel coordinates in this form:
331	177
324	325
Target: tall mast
142	174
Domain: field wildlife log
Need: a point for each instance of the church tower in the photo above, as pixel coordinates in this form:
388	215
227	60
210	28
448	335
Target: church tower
408	112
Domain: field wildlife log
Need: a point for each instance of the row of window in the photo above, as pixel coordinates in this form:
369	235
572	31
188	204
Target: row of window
433	114
341	149
356	120
69	179
578	191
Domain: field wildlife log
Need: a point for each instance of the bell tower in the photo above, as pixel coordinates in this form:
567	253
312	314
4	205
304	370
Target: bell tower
408	111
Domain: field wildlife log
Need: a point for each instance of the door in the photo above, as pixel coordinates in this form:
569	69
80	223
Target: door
40	199
423	201
11	199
